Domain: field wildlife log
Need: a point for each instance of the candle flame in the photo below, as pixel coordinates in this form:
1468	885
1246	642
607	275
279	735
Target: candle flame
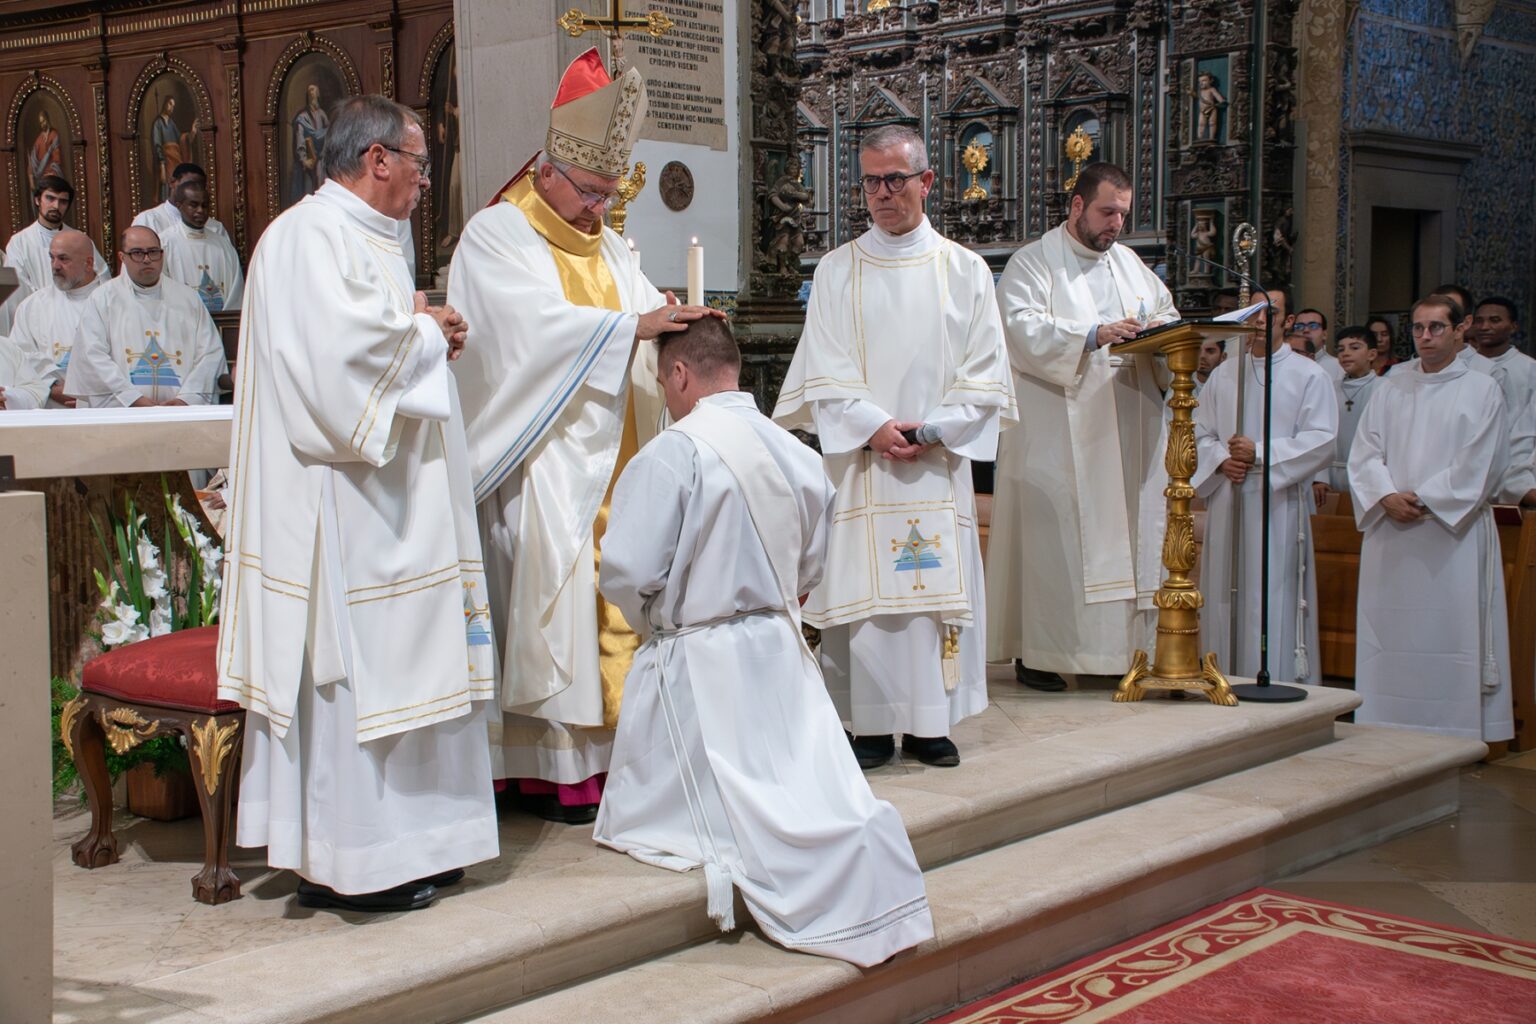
695	240
631	243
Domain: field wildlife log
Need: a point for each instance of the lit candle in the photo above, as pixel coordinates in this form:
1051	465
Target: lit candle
634	251
695	274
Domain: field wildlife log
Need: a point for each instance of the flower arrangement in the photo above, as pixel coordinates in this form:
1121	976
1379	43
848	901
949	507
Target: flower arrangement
138	598
145	593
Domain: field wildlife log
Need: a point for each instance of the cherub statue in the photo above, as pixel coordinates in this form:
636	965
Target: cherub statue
788	197
1211	103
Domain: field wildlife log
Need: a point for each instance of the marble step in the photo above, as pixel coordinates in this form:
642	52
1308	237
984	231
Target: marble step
1019	910
555	910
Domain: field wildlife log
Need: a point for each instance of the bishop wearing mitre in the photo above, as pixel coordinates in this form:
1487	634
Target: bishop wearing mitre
556	401
353	625
902	373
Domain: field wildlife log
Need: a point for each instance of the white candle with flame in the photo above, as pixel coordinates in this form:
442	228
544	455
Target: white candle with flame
634	250
695	273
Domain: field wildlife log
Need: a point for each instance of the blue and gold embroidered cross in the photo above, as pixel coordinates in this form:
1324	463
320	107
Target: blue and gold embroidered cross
916	553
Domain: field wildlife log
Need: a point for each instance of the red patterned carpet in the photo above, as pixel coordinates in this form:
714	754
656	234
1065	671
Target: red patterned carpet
1270	957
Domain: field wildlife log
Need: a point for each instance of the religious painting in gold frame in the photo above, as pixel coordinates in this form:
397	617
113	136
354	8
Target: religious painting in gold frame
43	146
168	135
311	89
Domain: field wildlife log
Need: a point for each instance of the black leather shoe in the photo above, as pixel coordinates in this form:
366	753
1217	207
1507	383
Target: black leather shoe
939	751
549	807
443	880
410	896
1035	679
872	751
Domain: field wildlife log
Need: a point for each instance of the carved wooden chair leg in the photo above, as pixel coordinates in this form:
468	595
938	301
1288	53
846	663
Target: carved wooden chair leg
213	748
86	742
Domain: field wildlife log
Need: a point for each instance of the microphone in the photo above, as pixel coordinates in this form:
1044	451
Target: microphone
1253	285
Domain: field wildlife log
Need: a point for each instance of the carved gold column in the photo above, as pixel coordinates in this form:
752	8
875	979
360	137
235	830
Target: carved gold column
1176	663
1324	25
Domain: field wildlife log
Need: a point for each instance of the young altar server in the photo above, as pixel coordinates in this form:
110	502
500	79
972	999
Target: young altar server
729	753
1232	456
1432	637
203	260
353	624
1357	357
144	339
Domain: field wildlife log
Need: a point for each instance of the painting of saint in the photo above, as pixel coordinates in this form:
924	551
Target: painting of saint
42	139
312	87
447	188
168	136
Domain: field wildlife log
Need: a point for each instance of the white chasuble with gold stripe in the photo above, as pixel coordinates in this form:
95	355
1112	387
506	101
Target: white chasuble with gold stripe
351	546
906	328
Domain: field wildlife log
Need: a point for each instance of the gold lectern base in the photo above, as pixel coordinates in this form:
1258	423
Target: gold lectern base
1210	681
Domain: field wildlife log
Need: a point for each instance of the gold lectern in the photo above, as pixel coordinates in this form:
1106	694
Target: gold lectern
1176	662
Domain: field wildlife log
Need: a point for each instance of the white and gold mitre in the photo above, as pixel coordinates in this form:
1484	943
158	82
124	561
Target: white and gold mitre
595	120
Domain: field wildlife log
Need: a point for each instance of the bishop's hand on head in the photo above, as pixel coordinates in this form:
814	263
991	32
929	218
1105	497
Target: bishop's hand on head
674	316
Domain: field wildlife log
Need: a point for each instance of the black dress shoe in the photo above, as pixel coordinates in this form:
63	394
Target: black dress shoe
410	896
872	751
549	807
443	880
1035	679
939	751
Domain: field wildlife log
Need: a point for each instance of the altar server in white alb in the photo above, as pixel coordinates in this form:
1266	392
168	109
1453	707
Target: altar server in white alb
1493	331
24	378
902	334
1432	637
1305	422
144	338
1352	393
553	410
48	322
1067	516
353	624
729	753
202	260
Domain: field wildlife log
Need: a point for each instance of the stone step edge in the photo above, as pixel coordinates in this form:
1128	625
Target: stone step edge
665	911
1023	909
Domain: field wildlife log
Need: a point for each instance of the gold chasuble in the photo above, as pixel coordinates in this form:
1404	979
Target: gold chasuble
587	282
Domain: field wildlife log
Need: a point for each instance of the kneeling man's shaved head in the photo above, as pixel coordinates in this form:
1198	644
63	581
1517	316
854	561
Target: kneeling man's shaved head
696	363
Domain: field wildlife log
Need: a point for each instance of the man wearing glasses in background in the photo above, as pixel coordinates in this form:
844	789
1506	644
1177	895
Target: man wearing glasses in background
553	411
1313	327
145	339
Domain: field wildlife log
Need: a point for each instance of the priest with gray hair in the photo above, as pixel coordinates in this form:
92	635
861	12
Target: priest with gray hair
353	625
902	373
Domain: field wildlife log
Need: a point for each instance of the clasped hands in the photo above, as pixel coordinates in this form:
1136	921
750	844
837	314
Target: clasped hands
889	443
449	321
1403	507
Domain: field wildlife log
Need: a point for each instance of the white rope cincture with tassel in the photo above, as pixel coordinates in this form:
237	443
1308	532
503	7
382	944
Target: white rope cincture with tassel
1489	676
721	903
1303	666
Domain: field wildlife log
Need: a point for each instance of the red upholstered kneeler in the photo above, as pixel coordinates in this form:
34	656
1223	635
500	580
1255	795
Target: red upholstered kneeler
166	684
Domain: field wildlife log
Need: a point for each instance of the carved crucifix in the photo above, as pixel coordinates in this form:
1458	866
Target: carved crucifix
615	23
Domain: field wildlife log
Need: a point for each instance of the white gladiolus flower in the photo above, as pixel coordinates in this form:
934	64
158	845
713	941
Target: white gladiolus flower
149	555
160	619
154	585
121	631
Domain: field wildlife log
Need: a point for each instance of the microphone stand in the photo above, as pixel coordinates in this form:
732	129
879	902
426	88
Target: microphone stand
1260	691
